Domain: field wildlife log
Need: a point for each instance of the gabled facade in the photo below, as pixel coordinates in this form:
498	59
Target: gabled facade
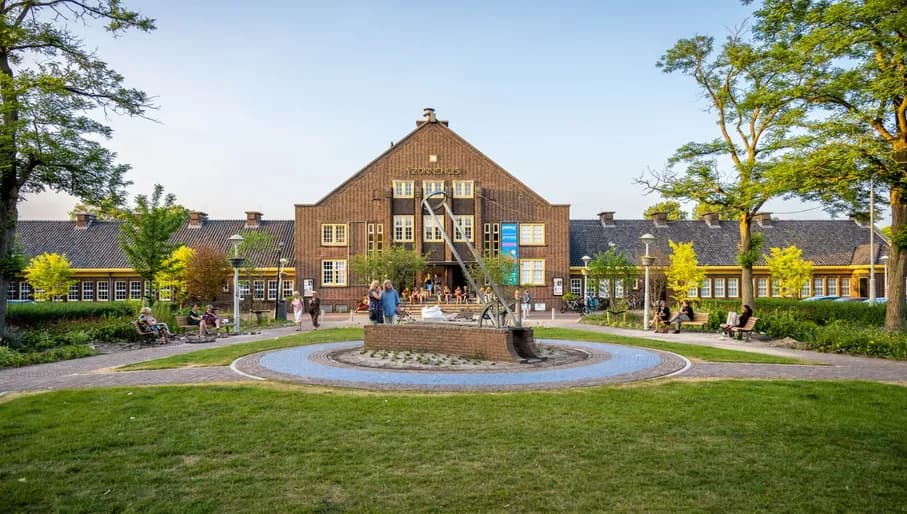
380	206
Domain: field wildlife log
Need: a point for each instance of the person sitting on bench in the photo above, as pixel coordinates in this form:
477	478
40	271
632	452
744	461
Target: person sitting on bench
662	315
728	328
194	318
685	314
209	319
159	329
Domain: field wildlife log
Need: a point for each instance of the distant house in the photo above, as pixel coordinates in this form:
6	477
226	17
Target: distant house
103	274
839	250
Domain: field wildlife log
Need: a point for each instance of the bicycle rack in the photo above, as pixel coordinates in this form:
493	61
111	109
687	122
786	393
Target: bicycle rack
492	310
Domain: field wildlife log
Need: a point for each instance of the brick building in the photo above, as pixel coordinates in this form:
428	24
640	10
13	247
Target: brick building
381	206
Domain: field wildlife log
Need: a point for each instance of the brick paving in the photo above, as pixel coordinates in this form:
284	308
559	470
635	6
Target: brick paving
96	371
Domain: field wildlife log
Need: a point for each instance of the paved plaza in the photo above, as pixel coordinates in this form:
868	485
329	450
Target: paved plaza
98	371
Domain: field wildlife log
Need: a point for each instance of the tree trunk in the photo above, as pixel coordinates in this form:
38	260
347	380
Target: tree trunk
746	270
9	179
897	264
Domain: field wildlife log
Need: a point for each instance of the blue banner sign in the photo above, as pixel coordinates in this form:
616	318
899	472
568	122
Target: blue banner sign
510	247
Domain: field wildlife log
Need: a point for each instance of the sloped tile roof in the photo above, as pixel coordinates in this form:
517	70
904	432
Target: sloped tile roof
825	242
98	246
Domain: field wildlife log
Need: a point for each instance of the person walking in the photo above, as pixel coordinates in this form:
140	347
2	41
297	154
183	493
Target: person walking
315	309
390	303
526	303
298	308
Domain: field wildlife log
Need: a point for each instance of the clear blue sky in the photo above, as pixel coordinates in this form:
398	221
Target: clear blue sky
271	103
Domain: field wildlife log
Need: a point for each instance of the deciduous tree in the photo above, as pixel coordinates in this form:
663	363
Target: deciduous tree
207	272
683	273
609	268
174	274
854	59
748	89
788	267
397	264
50	275
50	83
670	207
145	234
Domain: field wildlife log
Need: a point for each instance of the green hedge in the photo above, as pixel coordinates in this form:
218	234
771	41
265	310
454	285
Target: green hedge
42	314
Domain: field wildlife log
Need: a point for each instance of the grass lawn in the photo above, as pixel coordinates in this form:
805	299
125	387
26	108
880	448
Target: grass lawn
225	355
669	446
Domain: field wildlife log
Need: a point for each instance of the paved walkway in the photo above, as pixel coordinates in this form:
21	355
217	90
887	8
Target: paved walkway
96	371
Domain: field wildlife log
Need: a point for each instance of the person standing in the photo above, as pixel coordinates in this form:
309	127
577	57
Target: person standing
526	303
315	309
390	302
298	308
375	314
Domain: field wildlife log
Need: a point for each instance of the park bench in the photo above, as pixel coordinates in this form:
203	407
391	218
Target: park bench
144	331
700	319
747	329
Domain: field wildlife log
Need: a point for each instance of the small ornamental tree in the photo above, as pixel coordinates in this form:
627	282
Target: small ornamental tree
145	234
500	268
612	266
174	277
207	272
50	275
683	273
397	264
789	269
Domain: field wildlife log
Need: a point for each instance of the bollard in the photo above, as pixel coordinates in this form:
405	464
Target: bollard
552	314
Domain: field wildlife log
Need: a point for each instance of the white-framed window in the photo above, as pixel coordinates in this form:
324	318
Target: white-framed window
135	290
119	290
818	287
832	283
804	293
492	241
532	234
12	293
431	232
287	288
73	293
403	189
258	287
244	289
333	234
845	287
776	287
165	293
403	229
25	291
431	186
532	272
576	286
333	272
272	289
693	292
465	223
103	291
463	189
718	284
761	287
375	238
618	288
705	290
732	288
87	291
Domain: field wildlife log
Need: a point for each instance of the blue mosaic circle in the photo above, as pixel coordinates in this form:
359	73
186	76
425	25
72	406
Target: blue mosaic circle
623	363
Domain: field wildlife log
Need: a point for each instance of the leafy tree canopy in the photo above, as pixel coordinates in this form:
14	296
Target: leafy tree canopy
50	275
683	273
670	207
788	267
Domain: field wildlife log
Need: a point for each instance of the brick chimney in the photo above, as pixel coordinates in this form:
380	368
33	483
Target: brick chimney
197	219
253	219
84	220
764	219
660	219
607	218
711	219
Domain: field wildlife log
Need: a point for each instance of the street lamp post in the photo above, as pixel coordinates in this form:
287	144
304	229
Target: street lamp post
646	262
872	249
585	259
282	305
279	299
236	262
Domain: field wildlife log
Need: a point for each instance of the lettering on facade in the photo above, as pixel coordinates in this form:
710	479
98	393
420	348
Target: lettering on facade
434	171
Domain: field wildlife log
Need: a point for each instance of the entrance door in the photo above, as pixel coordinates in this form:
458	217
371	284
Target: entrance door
864	287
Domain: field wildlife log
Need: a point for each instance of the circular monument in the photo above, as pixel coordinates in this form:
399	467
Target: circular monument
562	364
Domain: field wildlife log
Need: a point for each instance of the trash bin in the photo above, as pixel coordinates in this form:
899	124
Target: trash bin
281	314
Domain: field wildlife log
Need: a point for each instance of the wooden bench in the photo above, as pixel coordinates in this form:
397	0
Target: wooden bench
700	319
747	329
144	331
